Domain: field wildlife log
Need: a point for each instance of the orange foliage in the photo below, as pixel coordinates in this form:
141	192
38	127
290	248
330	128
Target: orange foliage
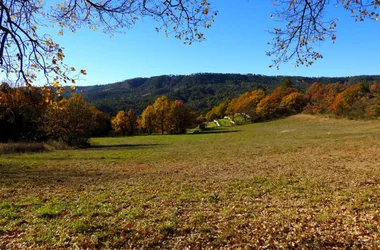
180	117
119	123
167	117
315	92
161	109
345	100
246	103
320	98
217	111
147	119
269	106
375	88
293	103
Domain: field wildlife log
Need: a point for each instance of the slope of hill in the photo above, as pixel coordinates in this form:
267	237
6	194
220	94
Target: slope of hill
200	91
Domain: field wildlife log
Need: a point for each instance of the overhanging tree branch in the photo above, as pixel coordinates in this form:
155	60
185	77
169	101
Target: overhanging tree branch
306	26
26	53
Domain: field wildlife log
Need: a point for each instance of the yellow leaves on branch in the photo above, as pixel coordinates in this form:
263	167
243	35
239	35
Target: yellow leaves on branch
60	55
55	84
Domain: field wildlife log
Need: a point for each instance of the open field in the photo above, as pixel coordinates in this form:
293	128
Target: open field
300	182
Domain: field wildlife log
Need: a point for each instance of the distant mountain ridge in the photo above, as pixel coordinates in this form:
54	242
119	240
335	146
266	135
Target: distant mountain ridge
199	91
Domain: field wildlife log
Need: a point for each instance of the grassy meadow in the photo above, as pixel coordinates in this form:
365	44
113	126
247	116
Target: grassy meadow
301	182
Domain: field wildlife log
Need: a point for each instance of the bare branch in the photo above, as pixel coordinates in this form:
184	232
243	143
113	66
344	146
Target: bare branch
25	53
305	27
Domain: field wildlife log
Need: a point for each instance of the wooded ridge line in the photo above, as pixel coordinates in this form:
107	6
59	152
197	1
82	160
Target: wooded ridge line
200	91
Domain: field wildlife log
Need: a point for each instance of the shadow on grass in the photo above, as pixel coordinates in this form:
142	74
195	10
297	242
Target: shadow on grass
22	148
134	146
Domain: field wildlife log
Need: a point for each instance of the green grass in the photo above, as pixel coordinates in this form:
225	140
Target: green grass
301	182
224	123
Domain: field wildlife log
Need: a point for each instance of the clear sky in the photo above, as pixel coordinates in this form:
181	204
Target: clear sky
236	43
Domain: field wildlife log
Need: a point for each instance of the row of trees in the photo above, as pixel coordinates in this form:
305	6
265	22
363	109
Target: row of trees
359	101
160	117
34	114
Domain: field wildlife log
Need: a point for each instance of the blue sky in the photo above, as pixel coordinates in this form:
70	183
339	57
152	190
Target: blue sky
236	43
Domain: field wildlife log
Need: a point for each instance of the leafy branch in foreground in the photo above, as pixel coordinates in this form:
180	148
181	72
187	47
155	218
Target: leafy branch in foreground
26	52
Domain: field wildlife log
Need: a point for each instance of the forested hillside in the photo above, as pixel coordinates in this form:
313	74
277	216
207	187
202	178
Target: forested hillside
199	91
